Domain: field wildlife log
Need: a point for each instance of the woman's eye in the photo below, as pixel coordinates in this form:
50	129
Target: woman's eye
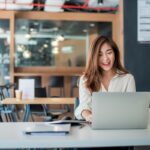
109	52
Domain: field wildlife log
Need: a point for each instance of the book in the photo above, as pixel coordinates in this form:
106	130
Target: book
44	128
72	122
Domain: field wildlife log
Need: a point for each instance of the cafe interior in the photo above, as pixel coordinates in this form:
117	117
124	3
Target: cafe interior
47	42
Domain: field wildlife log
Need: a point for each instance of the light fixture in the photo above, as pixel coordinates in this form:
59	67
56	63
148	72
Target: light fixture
27	54
92	25
60	38
23	27
45	45
28	36
19	48
54	43
55	50
84	30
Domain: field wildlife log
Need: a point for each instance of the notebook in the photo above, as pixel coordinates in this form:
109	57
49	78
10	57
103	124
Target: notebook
46	128
120	110
71	122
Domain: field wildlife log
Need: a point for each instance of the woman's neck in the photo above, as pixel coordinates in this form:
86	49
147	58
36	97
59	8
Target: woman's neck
106	78
109	74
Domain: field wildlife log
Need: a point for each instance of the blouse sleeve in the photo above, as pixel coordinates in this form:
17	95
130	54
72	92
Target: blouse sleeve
84	99
131	87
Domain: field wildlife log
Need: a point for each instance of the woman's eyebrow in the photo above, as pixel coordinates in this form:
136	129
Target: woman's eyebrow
109	49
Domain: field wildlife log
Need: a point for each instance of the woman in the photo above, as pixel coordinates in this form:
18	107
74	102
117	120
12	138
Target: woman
104	73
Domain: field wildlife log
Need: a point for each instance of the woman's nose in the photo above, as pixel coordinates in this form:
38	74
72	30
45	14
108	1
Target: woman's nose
105	57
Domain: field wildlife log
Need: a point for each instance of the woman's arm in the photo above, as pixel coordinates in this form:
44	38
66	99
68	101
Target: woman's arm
131	87
84	108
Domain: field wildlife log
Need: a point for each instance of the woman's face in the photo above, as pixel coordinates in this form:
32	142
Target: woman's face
106	57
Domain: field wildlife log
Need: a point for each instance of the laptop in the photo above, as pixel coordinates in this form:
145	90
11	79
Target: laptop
48	128
120	110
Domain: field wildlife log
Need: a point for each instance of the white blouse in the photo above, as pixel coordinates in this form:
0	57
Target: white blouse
119	83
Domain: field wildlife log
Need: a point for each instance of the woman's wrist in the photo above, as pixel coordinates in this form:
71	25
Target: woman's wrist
86	114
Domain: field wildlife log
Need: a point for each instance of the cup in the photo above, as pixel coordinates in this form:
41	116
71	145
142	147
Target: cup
18	94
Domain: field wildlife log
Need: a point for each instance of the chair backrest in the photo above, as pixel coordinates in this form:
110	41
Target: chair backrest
74	84
1	93
56	81
6	90
76	104
39	92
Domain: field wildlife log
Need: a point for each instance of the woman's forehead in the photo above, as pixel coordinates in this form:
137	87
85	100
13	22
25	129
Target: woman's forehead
105	47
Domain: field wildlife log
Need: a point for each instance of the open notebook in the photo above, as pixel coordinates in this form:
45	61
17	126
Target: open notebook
45	128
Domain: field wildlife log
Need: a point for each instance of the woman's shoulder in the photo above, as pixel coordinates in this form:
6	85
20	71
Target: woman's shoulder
82	79
127	76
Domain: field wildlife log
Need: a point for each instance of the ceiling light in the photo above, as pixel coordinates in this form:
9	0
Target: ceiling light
45	45
85	30
55	50
19	48
92	25
54	43
23	27
31	29
36	23
28	36
55	29
60	38
27	54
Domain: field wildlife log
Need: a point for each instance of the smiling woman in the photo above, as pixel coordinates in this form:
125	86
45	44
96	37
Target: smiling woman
103	73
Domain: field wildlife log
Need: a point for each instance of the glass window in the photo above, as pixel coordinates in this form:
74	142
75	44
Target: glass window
55	43
4	51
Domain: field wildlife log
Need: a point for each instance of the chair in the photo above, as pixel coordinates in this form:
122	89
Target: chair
40	110
76	103
74	84
56	82
1	106
9	112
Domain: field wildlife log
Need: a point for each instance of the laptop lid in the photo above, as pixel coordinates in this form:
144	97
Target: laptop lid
120	110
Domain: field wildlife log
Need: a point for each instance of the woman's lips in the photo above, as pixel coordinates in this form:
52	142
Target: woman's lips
106	64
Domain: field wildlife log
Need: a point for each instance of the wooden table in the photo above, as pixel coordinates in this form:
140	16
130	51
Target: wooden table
28	102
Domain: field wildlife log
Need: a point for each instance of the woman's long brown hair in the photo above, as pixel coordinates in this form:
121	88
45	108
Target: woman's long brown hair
93	73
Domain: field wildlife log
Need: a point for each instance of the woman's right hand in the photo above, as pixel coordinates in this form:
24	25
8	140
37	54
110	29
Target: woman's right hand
87	115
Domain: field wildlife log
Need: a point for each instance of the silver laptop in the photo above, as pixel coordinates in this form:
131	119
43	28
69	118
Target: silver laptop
120	110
